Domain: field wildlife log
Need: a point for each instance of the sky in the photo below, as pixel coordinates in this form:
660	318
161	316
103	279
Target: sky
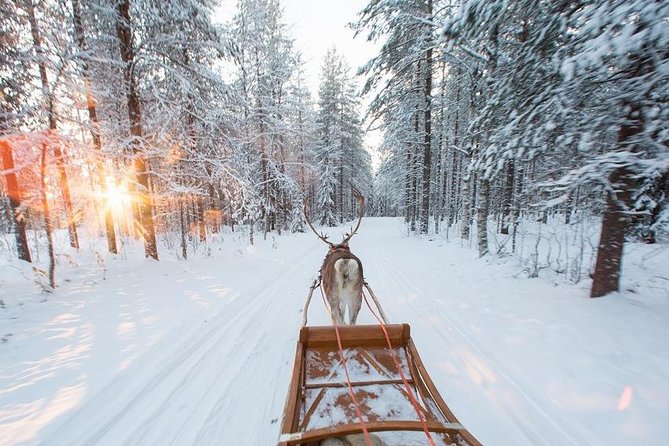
316	26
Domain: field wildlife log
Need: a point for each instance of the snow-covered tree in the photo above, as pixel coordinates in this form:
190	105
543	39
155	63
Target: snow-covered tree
614	67
15	108
343	163
404	67
266	64
577	93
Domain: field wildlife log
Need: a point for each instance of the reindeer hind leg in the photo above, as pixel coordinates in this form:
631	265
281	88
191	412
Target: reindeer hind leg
354	309
337	314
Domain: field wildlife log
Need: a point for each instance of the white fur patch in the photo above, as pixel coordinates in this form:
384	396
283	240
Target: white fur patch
346	267
345	279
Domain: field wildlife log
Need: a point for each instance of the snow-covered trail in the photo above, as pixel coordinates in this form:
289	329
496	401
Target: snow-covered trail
515	416
516	359
205	388
523	361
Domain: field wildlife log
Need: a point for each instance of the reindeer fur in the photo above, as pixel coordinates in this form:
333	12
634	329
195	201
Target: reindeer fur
341	275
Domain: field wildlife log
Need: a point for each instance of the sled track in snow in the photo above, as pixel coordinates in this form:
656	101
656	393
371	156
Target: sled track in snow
249	343
148	396
395	272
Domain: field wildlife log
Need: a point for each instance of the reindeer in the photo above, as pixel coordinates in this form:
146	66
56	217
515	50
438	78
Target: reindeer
341	273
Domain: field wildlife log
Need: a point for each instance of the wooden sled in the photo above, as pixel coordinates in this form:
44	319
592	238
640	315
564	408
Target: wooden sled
319	406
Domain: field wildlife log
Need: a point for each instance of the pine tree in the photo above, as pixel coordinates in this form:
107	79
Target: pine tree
571	97
124	31
616	58
82	46
404	67
343	163
14	108
266	62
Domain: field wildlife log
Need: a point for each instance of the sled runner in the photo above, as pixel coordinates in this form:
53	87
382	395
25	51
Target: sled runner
396	398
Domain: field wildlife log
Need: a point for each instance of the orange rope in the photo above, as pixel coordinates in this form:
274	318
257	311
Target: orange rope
413	400
368	439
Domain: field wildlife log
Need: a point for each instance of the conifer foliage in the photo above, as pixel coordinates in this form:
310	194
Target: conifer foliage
145	119
343	164
534	111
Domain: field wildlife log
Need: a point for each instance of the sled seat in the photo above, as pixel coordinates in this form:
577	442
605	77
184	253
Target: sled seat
319	405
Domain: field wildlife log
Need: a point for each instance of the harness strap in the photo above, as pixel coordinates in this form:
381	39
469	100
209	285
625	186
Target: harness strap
358	412
413	400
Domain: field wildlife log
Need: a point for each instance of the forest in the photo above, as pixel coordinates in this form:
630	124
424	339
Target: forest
504	124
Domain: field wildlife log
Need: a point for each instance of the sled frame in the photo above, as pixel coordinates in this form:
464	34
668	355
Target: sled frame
441	421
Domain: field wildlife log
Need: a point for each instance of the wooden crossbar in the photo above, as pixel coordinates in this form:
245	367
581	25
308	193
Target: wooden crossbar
356	383
355	336
376	426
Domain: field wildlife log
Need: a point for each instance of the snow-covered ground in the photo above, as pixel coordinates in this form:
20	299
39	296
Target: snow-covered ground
131	351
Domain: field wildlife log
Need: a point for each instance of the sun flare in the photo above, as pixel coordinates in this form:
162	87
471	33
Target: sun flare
116	196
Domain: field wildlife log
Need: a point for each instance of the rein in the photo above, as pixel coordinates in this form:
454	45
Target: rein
358	411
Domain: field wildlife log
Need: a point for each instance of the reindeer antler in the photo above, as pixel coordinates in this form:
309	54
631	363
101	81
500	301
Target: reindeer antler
320	236
361	202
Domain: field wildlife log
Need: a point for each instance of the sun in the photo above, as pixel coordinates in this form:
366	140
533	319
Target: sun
116	196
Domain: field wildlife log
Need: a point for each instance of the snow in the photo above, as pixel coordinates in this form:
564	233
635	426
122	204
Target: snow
357	370
385	402
131	351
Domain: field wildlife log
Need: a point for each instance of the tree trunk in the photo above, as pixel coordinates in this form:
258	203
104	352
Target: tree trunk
515	212
569	205
450	188
606	278
415	146
202	229
507	198
14	192
427	127
441	158
407	187
95	128
124	33
264	163
53	126
47	218
663	189
455	192
482	211
182	219
341	189
466	205
438	198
